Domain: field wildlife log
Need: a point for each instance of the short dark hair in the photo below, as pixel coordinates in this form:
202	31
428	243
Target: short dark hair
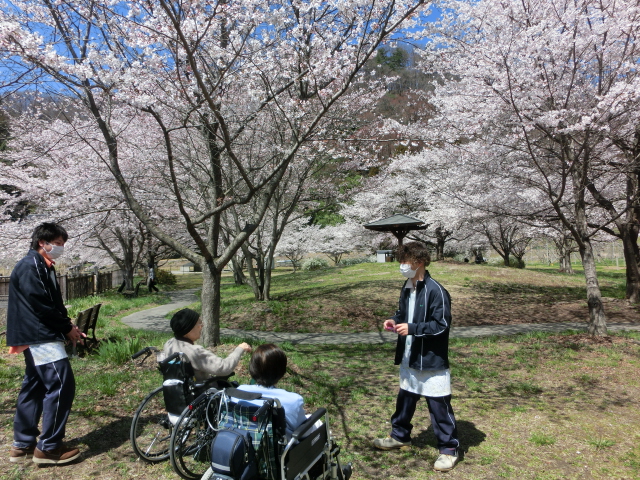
413	252
268	364
48	232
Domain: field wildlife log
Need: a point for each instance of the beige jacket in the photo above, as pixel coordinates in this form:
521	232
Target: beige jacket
205	363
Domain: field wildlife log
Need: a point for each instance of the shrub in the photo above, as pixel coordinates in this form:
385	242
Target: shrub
515	263
118	353
356	260
316	263
165	277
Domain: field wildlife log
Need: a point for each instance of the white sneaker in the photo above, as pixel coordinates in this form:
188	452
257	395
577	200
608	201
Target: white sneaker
390	443
445	462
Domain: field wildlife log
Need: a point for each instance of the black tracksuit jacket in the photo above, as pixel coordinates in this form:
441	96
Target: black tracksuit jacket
430	327
35	313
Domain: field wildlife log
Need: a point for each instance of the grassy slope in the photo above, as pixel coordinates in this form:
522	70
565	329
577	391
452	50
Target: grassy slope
360	297
529	407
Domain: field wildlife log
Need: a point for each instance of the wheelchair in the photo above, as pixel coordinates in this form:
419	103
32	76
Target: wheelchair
170	422
310	453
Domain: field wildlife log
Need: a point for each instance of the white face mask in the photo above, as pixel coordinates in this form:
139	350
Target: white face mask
406	271
55	252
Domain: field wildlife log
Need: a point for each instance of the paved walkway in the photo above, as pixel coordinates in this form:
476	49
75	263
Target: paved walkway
154	319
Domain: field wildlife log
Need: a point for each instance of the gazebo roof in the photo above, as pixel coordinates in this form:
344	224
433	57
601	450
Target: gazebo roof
396	222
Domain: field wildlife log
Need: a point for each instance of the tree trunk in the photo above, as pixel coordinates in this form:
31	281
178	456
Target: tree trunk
238	275
507	262
439	249
597	317
440	241
128	268
210	297
252	280
632	258
267	276
127	272
565	262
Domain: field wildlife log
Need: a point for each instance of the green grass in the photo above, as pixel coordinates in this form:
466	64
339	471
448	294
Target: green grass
602	443
358	298
541	439
524	404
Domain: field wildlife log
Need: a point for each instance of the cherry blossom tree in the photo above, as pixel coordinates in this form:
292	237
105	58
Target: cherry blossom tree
418	185
298	239
335	241
60	178
214	83
305	189
536	83
507	238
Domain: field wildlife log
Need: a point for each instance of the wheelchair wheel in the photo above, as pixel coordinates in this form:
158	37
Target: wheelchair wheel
191	440
151	429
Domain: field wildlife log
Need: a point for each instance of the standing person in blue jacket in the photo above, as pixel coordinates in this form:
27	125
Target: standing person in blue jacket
38	327
422	323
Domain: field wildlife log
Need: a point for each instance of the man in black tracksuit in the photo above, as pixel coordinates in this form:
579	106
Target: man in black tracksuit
422	323
38	326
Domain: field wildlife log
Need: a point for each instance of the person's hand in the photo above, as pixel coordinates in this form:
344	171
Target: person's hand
390	325
402	329
245	346
75	335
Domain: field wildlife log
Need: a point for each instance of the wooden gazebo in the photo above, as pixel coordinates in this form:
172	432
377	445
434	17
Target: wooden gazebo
398	224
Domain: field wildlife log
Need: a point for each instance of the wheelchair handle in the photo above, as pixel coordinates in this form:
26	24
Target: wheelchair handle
242	395
170	358
309	423
268	403
145	350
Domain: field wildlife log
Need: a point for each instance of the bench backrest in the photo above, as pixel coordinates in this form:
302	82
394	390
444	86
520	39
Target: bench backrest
83	320
87	320
93	321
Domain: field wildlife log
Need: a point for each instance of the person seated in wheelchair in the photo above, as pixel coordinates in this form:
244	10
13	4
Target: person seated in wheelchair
187	327
309	454
267	366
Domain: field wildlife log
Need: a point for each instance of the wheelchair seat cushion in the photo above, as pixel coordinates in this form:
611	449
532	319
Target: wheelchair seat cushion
233	454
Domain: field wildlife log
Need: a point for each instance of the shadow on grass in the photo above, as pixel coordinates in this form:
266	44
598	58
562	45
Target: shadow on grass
468	435
108	437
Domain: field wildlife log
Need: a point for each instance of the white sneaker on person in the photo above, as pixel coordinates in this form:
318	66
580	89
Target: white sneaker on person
390	443
445	462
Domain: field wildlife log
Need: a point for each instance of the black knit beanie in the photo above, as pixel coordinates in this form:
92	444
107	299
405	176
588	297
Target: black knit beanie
183	321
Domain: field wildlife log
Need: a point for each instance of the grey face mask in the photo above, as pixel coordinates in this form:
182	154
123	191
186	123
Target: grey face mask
55	252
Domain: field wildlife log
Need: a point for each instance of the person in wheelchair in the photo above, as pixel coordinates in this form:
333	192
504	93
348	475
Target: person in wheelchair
272	447
268	365
187	327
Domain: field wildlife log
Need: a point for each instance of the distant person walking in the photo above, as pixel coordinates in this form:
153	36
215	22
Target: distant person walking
38	326
151	281
422	323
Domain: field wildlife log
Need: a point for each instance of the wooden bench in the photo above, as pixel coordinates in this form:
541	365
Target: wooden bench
86	322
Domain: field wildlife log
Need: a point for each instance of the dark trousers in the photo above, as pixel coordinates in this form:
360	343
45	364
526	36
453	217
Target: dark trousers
442	420
47	392
152	286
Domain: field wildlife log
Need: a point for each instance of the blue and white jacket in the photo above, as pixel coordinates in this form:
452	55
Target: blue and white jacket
35	313
430	327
